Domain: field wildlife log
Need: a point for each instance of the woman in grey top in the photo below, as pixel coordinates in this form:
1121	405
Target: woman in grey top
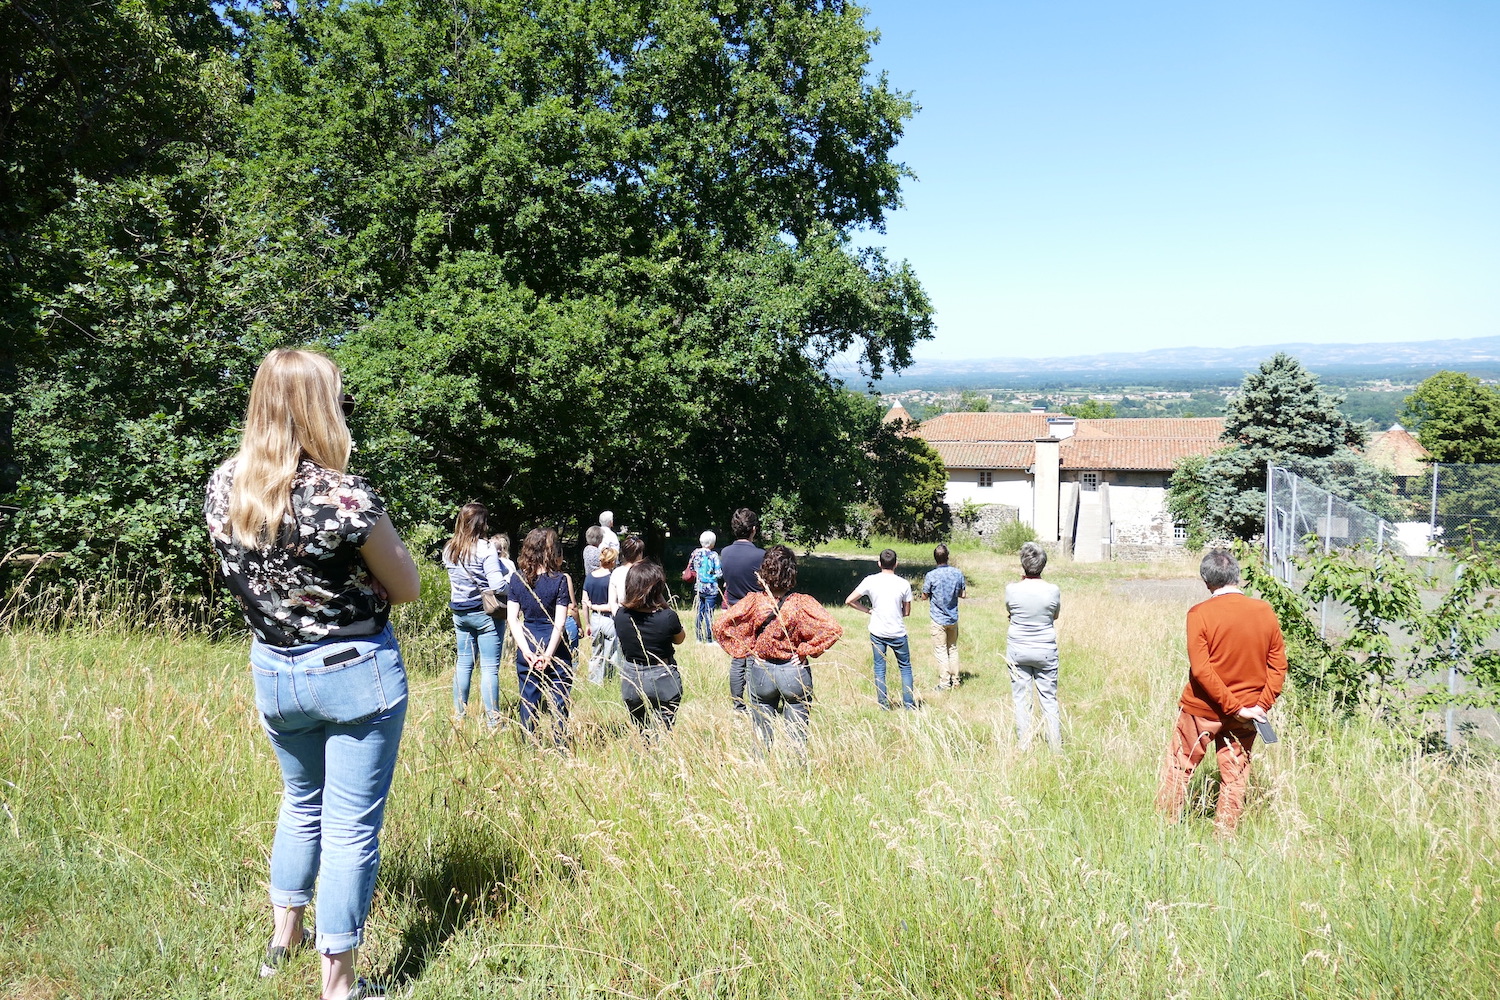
1031	645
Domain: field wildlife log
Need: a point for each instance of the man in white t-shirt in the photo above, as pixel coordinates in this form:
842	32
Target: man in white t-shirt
607	530
889	603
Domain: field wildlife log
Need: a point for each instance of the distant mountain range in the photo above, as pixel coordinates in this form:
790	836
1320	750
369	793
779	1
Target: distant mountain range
1400	360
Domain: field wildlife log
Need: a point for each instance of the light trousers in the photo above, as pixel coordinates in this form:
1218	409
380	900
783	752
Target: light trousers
1039	671
945	651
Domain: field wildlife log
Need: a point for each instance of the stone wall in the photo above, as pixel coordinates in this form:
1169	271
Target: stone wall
988	522
1137	552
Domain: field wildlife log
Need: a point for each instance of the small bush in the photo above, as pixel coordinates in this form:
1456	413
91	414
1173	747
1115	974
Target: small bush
1012	535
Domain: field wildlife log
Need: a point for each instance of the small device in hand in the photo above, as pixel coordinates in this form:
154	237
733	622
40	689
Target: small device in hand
1267	734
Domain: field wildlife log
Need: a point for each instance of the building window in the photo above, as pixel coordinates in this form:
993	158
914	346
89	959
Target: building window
1090	480
1179	532
986	477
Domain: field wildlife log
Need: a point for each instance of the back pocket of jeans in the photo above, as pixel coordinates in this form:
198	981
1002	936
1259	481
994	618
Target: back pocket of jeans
349	692
267	697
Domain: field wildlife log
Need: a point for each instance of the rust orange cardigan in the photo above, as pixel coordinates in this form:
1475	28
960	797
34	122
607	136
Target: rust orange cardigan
1235	656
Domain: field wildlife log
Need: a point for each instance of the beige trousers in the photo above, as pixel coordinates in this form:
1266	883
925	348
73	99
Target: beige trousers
945	650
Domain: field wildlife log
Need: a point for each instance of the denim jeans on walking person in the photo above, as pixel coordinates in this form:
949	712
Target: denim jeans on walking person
785	688
1039	668
901	649
703	621
604	648
652	692
334	713
477	632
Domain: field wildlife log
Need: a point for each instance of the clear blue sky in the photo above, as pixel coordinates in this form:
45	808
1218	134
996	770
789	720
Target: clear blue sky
1112	176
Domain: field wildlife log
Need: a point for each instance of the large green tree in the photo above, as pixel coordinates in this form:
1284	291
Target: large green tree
603	251
571	255
1456	418
90	91
1282	415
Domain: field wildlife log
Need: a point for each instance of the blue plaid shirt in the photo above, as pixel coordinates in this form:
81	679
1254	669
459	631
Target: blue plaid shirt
945	585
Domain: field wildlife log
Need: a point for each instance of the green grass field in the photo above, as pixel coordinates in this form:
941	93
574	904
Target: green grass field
911	854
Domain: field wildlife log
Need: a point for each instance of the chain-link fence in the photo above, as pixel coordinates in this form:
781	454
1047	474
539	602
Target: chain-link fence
1301	518
1441	509
1454	502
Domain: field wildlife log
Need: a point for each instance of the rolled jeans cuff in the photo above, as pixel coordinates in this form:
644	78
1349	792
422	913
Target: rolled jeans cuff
290	897
334	944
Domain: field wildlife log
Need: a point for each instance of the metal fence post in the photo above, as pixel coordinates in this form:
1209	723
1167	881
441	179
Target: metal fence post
1327	548
1271	515
1291	535
1432	520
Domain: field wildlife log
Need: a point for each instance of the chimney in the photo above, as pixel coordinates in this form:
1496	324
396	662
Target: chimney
1062	427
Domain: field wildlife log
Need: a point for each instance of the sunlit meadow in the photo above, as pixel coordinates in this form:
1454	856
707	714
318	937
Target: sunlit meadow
908	855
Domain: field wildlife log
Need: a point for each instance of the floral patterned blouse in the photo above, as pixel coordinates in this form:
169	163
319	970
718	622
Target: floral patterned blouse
313	585
799	629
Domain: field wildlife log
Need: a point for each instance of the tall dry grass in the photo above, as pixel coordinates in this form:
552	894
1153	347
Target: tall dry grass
908	855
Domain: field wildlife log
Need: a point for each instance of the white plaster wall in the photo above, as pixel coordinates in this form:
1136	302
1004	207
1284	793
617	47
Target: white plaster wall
1140	515
1012	487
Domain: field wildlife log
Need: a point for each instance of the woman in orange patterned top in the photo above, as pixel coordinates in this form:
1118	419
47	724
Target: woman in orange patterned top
778	632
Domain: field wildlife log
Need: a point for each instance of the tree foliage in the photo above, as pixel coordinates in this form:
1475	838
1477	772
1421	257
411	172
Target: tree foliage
1456	418
1280	415
1090	409
571	255
1396	645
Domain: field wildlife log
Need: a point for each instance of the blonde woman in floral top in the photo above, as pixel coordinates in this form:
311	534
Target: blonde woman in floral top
310	555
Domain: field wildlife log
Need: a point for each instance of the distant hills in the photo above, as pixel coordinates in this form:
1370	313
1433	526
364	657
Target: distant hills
1399	361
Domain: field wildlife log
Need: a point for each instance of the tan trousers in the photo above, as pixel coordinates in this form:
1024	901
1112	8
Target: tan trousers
1232	740
945	650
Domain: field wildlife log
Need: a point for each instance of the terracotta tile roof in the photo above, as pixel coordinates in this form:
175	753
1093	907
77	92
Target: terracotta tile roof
1398	452
1005	440
896	412
975	428
1009	455
1135	428
1126	454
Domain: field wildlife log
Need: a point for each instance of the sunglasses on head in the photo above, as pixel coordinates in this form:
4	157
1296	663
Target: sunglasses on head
348	405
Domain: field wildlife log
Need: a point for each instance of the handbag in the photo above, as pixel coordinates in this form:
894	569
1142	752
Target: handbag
690	575
492	603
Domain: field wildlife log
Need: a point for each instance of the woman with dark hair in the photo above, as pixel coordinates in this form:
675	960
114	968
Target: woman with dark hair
474	569
309	553
648	630
538	596
778	631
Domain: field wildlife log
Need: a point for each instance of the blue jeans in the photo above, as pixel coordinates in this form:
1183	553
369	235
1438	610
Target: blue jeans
703	624
335	724
550	687
477	631
785	688
901	647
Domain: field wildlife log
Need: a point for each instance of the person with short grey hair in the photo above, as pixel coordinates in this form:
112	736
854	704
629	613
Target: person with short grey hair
1031	645
1219	570
1236	670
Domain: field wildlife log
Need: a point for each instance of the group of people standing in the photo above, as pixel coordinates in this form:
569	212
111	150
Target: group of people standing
309	553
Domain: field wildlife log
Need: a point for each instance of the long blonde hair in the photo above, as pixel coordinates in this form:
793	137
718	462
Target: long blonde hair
471	525
295	412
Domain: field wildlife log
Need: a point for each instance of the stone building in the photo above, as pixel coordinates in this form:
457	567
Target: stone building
1096	487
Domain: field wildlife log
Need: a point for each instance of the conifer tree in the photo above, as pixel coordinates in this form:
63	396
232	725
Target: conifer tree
1282	415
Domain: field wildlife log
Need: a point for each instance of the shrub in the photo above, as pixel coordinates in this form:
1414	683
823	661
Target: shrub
1012	535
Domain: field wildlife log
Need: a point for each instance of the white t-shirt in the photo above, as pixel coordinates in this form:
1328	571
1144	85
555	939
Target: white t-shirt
889	594
617	584
610	539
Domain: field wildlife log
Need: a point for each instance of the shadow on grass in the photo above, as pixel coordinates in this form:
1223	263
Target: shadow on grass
471	876
831	578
